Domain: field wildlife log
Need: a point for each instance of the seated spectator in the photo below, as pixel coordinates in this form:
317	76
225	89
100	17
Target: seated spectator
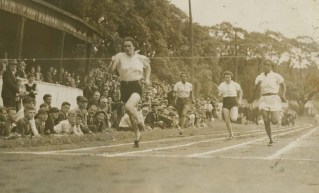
95	98
151	119
51	121
11	121
40	121
47	98
77	129
92	108
65	107
23	125
55	77
103	106
39	76
28	102
69	126
99	121
3	120
82	104
31	86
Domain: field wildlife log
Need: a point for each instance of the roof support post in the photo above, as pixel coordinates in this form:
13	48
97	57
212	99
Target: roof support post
19	39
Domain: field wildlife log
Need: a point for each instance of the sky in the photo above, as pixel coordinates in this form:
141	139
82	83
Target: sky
290	17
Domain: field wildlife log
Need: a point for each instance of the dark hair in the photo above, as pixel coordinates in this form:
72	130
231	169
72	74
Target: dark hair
66	103
46	96
28	109
130	39
44	105
269	62
2	109
182	74
228	73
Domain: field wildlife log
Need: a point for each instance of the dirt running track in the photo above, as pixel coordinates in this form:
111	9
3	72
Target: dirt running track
190	164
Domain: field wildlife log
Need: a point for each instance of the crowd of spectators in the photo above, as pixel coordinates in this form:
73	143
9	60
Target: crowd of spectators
100	109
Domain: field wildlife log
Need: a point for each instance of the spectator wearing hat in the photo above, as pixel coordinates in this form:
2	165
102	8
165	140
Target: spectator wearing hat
82	104
47	98
51	121
31	87
40	121
10	87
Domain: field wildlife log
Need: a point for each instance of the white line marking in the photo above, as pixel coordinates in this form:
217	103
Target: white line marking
130	144
290	145
239	145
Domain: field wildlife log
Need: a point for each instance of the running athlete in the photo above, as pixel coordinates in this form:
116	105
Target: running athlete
183	99
269	83
130	67
232	95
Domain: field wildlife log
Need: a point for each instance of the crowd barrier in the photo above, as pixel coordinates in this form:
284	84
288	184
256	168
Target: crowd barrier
59	94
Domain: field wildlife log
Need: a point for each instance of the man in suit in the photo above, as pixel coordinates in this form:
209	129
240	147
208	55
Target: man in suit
10	86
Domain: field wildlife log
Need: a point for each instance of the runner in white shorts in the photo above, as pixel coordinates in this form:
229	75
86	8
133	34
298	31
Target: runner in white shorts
269	83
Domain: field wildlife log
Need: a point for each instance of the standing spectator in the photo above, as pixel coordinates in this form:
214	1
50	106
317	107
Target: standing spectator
47	98
40	121
88	91
31	87
10	88
39	76
183	99
269	83
48	75
21	70
55	77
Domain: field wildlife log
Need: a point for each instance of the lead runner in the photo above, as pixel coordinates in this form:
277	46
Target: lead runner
269	83
130	67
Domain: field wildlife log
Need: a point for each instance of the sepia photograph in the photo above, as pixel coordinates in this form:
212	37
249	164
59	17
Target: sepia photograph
159	96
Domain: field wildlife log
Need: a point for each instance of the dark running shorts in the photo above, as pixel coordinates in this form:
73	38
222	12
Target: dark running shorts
229	102
128	88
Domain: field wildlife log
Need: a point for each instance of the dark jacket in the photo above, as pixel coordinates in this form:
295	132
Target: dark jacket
9	87
151	119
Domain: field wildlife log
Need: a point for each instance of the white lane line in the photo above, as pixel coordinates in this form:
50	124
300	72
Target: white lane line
130	144
176	146
142	151
290	146
240	145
